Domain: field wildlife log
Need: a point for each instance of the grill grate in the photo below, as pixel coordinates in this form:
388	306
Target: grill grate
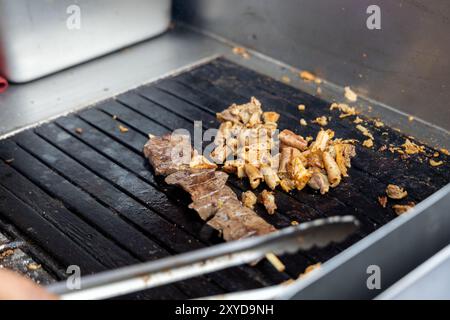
91	200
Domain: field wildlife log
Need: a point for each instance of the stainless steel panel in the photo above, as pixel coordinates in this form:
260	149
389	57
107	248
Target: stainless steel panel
35	39
431	280
405	64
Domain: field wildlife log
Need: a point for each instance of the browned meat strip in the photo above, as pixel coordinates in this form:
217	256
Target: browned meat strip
199	183
235	222
169	153
207	207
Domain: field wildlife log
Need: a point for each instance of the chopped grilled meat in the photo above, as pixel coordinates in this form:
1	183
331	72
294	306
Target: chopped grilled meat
403	208
319	181
267	198
249	199
235	222
289	138
169	153
395	192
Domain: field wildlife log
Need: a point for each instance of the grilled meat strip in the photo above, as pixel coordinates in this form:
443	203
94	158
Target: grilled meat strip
235	221
169	153
212	199
206	187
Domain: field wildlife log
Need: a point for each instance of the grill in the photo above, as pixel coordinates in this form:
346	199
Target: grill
78	190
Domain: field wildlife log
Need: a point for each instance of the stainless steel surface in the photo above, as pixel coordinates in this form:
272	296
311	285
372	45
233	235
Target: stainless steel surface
35	39
396	248
405	64
431	280
115	283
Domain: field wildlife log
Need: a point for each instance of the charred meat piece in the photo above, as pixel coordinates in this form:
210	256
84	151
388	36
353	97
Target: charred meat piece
235	222
169	153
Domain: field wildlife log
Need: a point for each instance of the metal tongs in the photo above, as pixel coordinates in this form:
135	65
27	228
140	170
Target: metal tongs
143	276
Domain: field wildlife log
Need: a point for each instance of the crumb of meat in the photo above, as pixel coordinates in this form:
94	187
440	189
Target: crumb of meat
346	110
364	131
322	121
267	198
350	94
309	269
6	253
307	76
79	130
382	200
318	80
436	163
294	223
33	266
319	90
403	208
412	148
114	117
383	148
249	199
378	123
368	143
273	259
301	107
240	51
445	151
303	122
358	120
410	118
9	161
123	129
395	192
436	154
309	138
286	79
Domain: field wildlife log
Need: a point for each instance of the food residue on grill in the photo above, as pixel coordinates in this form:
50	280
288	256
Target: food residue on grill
322	121
382	200
412	148
307	76
303	122
249	199
434	163
350	95
346	110
79	130
286	79
365	131
395	192
403	208
301	107
276	262
368	143
358	120
9	161
267	198
123	129
240	51
310	269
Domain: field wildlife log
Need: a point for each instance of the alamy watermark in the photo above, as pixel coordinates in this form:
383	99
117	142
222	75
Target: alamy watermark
373	22
73	21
